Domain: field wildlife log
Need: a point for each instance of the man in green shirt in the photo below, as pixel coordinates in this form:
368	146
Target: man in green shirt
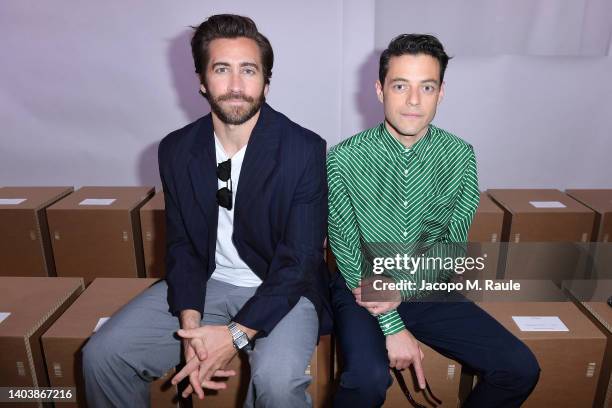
406	182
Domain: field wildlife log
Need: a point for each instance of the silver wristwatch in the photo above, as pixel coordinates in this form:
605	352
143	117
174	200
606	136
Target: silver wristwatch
239	337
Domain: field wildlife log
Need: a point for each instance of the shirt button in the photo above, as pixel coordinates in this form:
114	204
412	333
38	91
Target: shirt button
406	172
405	233
405	203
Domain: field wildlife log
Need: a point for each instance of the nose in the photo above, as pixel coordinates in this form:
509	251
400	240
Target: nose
413	97
235	84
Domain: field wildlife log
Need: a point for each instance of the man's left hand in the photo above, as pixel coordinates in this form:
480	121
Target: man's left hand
388	300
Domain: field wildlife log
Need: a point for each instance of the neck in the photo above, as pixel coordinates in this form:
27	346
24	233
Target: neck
233	137
406	140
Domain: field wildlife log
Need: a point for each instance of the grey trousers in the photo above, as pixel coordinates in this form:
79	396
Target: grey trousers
138	345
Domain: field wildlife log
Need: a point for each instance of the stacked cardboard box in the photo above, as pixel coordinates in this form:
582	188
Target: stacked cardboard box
592	298
25	246
96	232
153	224
600	201
484	237
568	347
547	234
65	339
28	307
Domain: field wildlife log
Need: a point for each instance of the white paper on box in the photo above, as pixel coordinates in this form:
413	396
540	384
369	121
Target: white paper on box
540	323
4	315
12	201
101	321
547	204
97	201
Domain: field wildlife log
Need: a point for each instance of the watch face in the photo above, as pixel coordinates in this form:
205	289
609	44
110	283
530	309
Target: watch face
241	341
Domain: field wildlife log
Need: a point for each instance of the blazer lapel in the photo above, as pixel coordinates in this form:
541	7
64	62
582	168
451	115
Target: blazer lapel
259	159
203	168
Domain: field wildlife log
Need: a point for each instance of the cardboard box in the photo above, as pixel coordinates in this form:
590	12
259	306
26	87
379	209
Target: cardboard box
96	232
570	360
592	296
33	304
233	396
488	221
600	256
153	224
529	290
547	233
65	339
599	201
25	246
484	237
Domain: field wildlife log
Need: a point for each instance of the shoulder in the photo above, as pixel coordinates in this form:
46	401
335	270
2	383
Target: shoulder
449	144
294	135
355	144
181	139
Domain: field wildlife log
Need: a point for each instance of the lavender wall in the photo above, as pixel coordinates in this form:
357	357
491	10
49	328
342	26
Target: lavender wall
88	90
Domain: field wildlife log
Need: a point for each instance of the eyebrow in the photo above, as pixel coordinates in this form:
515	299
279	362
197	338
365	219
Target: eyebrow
242	64
400	79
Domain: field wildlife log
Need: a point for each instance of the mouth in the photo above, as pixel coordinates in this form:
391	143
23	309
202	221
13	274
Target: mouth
411	115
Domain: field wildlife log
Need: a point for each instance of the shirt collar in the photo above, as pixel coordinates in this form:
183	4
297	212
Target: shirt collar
394	148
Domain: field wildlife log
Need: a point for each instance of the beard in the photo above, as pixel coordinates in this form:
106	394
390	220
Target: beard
235	115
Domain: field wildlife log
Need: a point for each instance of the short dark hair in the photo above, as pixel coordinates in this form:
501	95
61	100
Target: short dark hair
229	26
413	44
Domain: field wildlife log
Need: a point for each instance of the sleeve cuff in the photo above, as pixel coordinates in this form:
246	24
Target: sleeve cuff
391	323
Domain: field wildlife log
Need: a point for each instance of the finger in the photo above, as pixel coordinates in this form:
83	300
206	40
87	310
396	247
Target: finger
357	291
194	380
189	333
422	354
418	369
191	365
214	385
206	370
224	373
199	348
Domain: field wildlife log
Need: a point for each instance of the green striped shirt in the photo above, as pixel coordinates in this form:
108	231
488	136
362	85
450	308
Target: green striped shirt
381	191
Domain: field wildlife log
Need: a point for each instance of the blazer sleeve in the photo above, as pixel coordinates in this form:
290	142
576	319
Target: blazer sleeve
299	253
185	272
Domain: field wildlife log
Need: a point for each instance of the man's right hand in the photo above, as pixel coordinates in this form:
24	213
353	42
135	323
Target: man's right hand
403	351
190	319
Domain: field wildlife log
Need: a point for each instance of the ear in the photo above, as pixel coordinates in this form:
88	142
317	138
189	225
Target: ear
441	94
379	91
202	88
266	89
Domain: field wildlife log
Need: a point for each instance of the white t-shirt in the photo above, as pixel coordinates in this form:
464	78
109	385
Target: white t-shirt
230	268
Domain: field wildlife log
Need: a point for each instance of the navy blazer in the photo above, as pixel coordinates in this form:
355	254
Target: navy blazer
280	217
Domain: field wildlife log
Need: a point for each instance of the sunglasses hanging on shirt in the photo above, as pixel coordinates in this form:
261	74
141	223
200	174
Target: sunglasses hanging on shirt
224	194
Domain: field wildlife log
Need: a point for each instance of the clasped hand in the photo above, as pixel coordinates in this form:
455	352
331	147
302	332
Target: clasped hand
208	350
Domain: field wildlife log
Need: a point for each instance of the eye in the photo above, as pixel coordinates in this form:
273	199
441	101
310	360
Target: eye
220	70
429	88
398	87
249	71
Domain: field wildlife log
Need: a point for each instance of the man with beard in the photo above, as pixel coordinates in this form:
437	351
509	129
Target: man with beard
245	194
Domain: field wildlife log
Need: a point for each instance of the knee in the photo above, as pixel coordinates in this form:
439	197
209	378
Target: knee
278	384
371	381
518	369
100	353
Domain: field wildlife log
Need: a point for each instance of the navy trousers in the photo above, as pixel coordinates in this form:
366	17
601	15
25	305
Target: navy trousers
455	328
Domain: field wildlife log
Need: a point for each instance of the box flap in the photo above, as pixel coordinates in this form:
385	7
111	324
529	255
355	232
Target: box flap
537	201
124	198
101	299
36	197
